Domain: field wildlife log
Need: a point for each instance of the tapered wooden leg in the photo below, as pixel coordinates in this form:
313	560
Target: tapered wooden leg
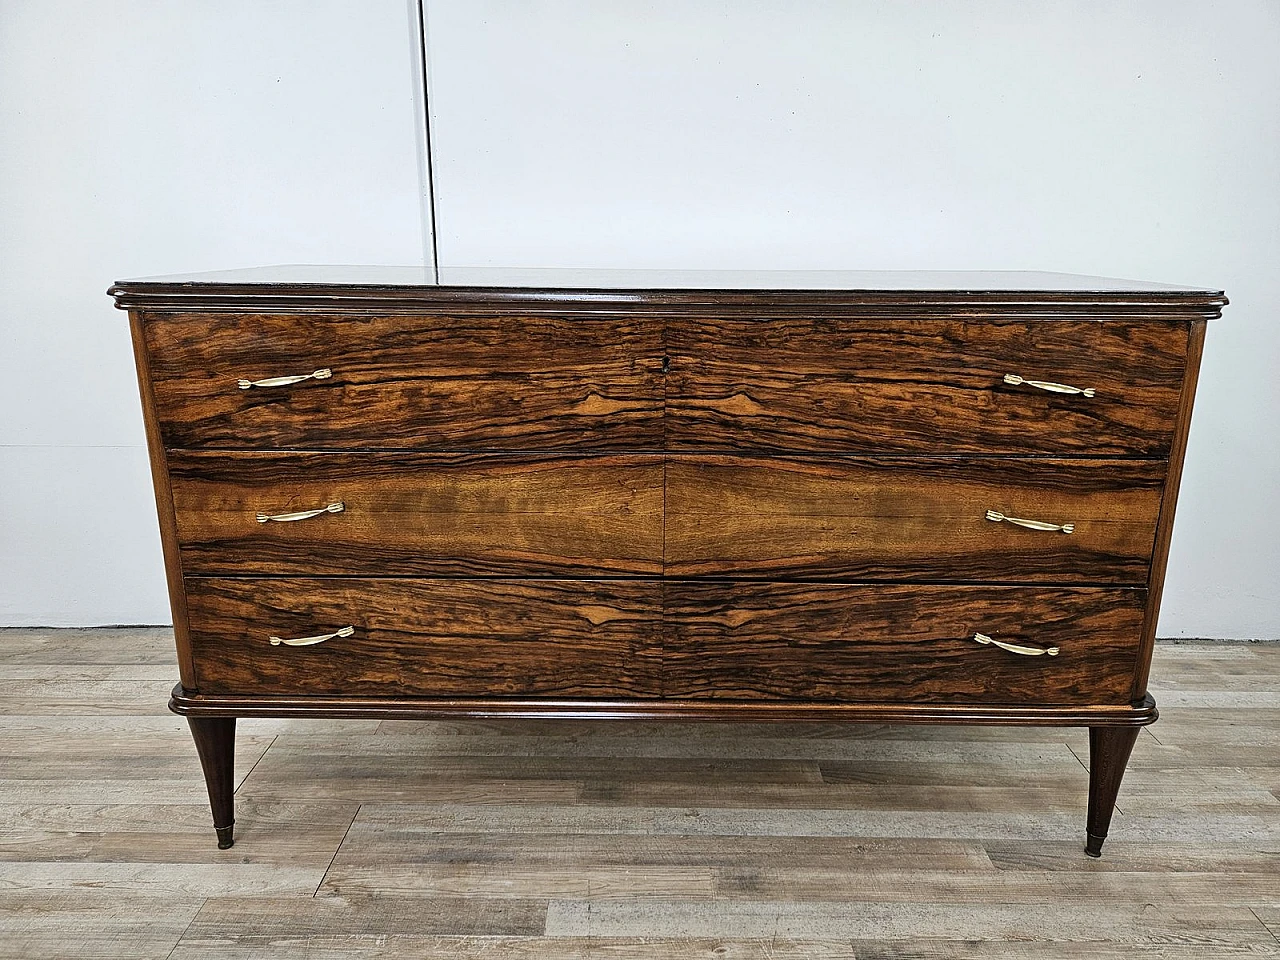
1109	749
215	739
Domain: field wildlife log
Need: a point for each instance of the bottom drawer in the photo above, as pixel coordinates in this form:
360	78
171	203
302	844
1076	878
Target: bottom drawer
693	640
440	638
873	642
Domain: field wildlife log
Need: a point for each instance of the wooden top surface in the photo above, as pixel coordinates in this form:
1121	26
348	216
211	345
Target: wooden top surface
367	287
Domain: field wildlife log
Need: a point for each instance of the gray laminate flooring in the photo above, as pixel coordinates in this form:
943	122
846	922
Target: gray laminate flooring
517	840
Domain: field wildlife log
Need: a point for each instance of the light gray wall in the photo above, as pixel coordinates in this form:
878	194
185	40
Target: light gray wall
1133	138
150	137
1138	138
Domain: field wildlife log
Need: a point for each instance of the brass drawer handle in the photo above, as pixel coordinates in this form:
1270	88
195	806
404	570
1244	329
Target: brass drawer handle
309	641
1015	380
324	373
998	517
336	507
1017	648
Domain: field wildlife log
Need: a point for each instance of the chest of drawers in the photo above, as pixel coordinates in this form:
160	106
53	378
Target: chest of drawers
777	496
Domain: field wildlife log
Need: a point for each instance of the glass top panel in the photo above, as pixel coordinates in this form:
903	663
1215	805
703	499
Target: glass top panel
654	279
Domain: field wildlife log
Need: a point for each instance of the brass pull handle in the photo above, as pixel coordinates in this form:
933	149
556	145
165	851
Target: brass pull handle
324	373
1015	380
999	517
1017	648
336	507
310	641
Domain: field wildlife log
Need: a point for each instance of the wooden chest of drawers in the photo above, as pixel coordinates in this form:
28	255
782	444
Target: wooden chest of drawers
831	496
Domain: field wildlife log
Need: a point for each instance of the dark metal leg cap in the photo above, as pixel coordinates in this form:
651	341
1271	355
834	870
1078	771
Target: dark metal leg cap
1093	844
225	839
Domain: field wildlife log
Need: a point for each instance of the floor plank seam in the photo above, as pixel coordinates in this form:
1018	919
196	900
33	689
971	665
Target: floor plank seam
336	850
1274	936
1080	760
254	765
182	936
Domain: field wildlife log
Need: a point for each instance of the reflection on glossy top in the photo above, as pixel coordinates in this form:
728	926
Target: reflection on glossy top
551	278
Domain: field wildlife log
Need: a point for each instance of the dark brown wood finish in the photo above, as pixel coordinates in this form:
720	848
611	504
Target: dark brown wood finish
814	385
1109	749
1168	503
811	545
553	638
442	515
716	293
931	386
427	382
731	640
164	500
420	514
910	518
215	739
190	703
901	643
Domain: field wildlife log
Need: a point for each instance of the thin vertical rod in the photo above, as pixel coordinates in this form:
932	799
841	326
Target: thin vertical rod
422	102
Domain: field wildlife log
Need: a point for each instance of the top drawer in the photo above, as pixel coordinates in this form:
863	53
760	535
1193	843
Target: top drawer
925	385
811	385
425	382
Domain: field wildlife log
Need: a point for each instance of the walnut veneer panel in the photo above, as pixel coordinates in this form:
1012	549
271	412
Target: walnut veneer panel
436	382
875	642
555	638
609	639
927	386
455	515
911	518
420	514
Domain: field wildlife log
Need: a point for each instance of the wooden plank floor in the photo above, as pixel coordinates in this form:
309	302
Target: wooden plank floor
521	840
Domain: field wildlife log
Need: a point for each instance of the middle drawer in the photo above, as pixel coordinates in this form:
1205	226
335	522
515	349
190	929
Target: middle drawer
689	516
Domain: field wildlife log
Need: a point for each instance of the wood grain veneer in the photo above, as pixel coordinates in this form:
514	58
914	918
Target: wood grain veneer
878	642
420	514
164	499
916	385
761	497
432	382
559	638
1168	503
910	518
511	515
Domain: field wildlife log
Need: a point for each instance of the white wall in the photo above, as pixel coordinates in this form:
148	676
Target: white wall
1134	139
1137	139
151	137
